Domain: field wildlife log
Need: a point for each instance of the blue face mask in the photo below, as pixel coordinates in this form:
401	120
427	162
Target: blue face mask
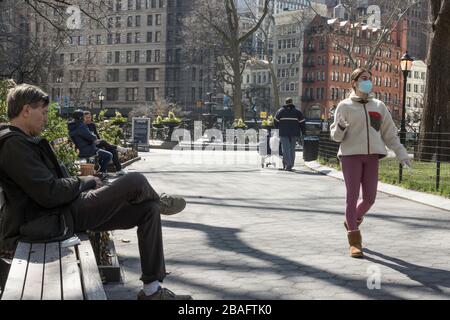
365	86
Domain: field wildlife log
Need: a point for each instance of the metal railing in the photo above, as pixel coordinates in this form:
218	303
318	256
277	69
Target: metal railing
430	155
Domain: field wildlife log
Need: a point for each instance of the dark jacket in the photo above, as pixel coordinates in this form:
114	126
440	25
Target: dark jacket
93	128
39	199
290	121
83	139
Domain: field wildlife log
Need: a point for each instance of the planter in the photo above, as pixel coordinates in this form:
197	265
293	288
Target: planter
110	272
171	126
157	125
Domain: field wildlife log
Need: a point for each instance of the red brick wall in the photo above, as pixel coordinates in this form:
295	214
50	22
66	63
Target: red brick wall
327	52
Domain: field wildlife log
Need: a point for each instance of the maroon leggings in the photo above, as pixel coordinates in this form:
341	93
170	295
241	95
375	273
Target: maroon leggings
359	170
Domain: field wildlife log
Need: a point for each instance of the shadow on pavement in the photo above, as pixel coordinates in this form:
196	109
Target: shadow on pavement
429	277
279	264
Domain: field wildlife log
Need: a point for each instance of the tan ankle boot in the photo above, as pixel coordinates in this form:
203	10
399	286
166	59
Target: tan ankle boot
355	241
358	223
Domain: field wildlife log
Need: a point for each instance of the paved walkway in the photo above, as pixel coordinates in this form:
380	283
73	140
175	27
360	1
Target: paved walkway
249	233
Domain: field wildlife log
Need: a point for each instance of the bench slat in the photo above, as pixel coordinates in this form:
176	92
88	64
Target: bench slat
35	273
16	277
51	289
93	286
70	275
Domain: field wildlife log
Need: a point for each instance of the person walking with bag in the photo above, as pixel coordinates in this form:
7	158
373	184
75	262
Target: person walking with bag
364	127
291	123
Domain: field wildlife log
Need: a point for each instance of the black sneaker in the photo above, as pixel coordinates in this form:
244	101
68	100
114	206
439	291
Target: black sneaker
170	205
101	175
162	294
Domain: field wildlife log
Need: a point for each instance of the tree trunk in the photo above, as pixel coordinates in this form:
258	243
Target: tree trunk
437	96
237	94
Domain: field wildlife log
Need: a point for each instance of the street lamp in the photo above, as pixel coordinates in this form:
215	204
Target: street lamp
406	63
101	97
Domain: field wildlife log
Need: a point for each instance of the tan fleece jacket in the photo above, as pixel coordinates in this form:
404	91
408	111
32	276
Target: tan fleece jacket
370	129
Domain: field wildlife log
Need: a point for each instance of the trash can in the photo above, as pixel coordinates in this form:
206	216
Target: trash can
310	148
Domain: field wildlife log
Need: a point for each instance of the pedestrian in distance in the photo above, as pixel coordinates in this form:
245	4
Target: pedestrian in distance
291	123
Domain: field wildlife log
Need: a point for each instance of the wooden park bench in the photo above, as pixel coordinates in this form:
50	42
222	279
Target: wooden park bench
47	271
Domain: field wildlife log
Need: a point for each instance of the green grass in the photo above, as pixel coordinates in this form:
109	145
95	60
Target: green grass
421	178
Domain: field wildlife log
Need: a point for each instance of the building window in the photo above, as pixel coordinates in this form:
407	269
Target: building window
150	94
158	19
109	57
112	94
137	56
152	74
117	57
149	56
132	75
131	94
112	75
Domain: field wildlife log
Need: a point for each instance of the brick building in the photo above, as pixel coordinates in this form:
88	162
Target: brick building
327	69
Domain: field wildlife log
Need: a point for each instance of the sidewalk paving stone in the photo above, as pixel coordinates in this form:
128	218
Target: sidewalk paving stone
248	233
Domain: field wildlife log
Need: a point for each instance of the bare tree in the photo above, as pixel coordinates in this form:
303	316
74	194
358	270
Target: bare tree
265	36
436	112
220	24
394	13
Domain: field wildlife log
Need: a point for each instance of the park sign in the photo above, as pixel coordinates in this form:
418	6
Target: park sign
140	132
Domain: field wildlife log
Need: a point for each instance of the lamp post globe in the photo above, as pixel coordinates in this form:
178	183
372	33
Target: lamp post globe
101	97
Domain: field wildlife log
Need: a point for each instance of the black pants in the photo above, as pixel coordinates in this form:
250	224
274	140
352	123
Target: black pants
113	149
127	202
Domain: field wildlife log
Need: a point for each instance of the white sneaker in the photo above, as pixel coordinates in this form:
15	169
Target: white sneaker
122	149
121	173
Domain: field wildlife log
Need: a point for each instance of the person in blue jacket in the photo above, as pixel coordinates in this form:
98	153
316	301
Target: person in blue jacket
290	122
84	141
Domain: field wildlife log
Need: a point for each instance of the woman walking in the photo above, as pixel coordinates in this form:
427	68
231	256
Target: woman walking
364	127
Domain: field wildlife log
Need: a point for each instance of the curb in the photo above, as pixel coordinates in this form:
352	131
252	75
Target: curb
127	163
416	196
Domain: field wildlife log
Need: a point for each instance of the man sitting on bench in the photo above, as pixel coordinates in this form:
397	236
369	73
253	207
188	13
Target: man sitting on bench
102	144
85	142
43	204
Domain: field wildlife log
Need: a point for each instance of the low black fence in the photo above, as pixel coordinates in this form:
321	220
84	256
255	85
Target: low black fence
430	155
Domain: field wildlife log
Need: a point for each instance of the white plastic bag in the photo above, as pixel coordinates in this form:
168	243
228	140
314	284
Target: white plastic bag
274	143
